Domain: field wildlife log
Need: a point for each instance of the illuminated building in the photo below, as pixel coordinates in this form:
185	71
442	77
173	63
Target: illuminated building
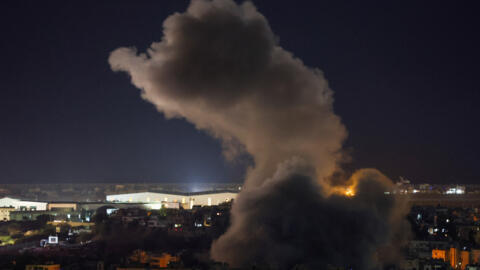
475	256
153	260
453	257
5	213
62	205
439	254
163	260
22	205
43	267
458	259
174	200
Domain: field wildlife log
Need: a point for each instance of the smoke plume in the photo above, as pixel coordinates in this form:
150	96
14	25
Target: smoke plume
289	222
220	67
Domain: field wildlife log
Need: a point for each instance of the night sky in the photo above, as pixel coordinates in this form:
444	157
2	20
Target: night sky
405	76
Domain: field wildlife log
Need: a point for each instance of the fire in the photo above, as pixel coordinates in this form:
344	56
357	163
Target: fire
349	192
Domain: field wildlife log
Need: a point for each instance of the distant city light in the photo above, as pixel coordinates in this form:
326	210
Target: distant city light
456	190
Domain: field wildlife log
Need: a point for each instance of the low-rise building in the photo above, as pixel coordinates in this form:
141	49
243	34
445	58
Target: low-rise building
22	205
43	267
475	256
62	206
186	200
5	213
163	260
439	254
154	261
55	215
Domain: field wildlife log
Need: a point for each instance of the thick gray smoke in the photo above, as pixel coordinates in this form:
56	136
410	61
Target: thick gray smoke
219	66
289	222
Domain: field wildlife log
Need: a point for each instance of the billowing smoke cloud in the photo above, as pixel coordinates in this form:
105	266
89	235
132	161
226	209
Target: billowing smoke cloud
289	222
219	66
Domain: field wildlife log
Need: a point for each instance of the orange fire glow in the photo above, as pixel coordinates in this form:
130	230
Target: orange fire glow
349	192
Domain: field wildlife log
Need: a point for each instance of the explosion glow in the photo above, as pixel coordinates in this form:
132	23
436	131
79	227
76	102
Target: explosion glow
349	192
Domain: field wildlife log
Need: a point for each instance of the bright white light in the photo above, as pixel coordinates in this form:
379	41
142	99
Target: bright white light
456	190
53	239
154	206
111	211
451	191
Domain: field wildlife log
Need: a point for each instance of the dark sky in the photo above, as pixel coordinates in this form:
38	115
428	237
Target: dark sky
405	76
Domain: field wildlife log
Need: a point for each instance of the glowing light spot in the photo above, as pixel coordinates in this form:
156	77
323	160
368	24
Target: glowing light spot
349	192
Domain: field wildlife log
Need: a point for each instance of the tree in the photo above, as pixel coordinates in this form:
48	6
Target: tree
43	219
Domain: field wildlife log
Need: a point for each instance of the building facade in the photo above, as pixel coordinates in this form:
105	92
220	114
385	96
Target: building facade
186	200
5	213
20	205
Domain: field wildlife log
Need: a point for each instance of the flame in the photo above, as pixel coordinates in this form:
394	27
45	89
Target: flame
349	192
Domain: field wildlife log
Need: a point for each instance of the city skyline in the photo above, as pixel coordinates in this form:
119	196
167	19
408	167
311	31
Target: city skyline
230	134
